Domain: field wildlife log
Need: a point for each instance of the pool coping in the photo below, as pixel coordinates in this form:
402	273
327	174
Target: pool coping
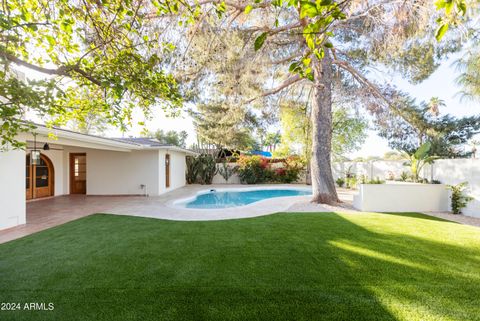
174	204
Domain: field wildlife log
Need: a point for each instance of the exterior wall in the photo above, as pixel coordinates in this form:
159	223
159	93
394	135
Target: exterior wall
109	172
117	173
447	171
177	170
12	189
123	173
402	198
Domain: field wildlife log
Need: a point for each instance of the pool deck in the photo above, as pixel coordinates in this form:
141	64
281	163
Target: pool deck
47	213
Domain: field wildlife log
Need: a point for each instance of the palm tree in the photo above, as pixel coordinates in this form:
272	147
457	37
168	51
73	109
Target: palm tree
434	105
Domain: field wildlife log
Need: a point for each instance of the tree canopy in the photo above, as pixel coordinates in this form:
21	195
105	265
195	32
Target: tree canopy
171	137
349	131
108	51
417	124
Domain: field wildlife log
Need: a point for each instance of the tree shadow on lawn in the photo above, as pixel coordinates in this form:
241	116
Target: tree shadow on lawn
281	267
420	216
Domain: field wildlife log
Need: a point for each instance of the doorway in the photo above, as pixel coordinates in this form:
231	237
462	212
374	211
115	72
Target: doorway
167	170
78	173
40	178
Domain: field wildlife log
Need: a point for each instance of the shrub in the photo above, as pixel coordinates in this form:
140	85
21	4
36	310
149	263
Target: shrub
340	182
289	173
207	168
192	169
435	181
363	179
458	199
253	169
351	182
404	176
376	181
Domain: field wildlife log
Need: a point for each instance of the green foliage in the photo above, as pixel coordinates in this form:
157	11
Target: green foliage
453	11
207	169
192	170
290	171
419	159
254	169
100	50
224	126
226	171
376	180
260	40
351	181
170	137
458	199
468	67
404	176
415	123
349	130
340	182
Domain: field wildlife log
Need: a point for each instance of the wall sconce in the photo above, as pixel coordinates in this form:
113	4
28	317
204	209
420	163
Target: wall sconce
35	154
35	157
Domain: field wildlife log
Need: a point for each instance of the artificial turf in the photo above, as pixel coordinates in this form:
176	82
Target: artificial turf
288	266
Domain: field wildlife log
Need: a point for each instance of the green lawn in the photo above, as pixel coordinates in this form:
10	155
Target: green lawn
324	266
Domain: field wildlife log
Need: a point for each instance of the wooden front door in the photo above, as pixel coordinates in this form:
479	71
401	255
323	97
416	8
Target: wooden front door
167	170
39	178
78	173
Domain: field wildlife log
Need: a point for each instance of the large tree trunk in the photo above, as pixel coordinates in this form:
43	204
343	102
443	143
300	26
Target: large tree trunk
322	179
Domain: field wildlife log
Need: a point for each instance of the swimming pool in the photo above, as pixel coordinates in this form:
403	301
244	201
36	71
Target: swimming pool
232	198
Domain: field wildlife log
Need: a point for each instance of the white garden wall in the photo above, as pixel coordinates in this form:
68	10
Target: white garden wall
447	171
218	179
402	198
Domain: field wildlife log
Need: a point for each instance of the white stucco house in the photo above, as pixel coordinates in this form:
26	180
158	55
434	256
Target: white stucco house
75	163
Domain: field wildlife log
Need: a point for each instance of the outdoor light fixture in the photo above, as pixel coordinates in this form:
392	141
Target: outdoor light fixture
35	154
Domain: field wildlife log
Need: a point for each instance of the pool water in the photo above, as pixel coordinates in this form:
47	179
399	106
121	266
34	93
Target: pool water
224	199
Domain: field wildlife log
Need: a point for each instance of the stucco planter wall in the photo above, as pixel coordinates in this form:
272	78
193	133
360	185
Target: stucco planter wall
402	198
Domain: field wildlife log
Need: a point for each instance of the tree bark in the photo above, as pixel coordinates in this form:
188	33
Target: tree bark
323	185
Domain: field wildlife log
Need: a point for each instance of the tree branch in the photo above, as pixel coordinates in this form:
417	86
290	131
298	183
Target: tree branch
290	81
361	79
274	31
61	71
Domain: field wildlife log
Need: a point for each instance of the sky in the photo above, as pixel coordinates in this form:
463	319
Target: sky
441	84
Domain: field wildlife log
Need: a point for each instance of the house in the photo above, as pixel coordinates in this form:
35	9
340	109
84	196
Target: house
75	163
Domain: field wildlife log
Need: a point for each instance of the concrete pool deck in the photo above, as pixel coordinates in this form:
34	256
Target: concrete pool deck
47	213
